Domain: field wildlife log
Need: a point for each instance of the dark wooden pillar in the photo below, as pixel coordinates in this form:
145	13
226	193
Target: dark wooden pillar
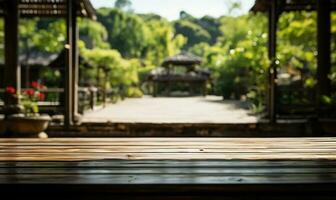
98	83
106	77
273	16
68	111
12	66
323	48
75	61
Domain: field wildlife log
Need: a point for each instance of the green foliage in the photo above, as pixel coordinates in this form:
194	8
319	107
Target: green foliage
30	97
297	41
123	4
28	36
239	59
235	29
148	37
126	32
161	40
118	72
202	30
52	38
193	32
93	33
212	25
232	6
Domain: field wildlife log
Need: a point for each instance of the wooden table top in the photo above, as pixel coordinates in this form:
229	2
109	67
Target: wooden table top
169	168
81	149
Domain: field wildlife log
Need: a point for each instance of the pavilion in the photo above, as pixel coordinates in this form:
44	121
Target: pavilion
274	8
181	68
69	10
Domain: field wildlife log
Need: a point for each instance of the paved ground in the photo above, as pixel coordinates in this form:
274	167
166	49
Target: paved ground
211	109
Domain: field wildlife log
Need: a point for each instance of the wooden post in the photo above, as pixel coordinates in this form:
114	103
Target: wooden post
204	89
106	76
272	72
75	61
98	83
323	48
155	88
68	114
12	67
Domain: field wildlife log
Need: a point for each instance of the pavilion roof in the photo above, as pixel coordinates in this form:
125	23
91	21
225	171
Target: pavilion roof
49	8
38	58
288	5
184	59
59	61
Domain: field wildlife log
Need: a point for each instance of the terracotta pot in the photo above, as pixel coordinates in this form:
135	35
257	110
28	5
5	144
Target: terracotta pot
19	124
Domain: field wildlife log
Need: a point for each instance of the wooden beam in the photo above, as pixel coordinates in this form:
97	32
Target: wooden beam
68	114
273	16
324	51
75	61
12	66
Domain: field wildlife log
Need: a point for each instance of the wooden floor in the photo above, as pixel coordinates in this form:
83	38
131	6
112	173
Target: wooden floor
169	168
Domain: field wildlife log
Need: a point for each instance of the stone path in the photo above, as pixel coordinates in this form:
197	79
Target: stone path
211	109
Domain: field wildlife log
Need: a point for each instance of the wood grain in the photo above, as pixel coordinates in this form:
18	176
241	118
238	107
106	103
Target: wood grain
81	149
169	168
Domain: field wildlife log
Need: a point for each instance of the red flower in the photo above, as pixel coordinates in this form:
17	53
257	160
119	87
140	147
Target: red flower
35	84
41	96
10	90
29	92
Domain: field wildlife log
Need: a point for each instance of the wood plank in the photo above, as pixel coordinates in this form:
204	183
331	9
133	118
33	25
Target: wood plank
193	139
59	149
275	143
228	171
160	150
163	156
171	163
165	179
118	175
203	179
241	140
204	145
251	172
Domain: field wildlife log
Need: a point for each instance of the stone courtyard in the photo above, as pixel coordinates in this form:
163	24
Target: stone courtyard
210	109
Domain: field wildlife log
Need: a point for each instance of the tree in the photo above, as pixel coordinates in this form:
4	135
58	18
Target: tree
232	6
147	36
197	30
162	40
93	33
126	32
51	38
121	73
123	4
238	60
193	32
212	25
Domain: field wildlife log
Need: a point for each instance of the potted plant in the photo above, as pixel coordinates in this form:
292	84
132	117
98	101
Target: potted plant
28	121
8	109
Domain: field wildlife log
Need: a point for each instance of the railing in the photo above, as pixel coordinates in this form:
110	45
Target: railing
88	99
2	91
295	100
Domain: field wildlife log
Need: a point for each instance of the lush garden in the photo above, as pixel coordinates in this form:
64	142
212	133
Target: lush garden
127	46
